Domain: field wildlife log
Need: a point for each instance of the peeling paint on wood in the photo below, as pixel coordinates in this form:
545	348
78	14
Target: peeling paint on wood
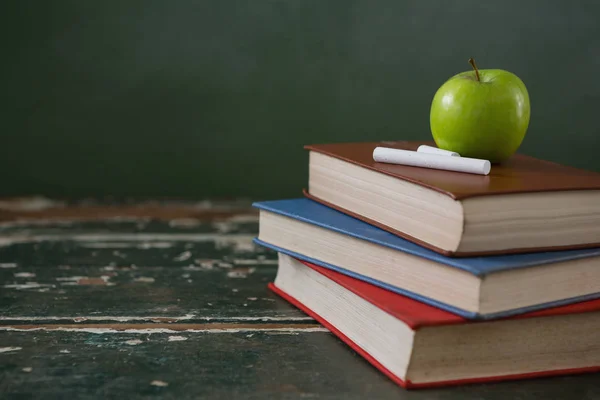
240	272
245	365
132	253
85	280
186	255
238	241
177	338
112	310
27	285
24	275
30	204
254	262
156	319
9	349
144	279
133	342
26	210
166	328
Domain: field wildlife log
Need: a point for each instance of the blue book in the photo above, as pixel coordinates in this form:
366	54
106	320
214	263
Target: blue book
472	287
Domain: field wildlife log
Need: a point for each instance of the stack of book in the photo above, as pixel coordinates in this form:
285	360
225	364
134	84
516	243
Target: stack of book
439	277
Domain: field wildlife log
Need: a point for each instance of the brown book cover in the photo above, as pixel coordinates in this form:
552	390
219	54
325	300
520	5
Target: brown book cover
519	174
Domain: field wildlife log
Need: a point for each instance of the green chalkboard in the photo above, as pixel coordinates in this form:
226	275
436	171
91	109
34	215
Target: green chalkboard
216	98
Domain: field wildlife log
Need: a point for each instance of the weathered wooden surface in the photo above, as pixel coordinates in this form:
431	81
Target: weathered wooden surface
138	268
237	365
170	301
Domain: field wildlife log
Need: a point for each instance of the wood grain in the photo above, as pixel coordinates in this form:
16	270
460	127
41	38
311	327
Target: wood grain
132	302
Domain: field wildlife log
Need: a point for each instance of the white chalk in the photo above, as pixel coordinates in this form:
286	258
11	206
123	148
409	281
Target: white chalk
434	161
434	150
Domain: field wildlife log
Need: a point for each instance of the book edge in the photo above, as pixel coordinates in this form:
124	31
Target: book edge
407	384
539	310
415	296
340	335
317	149
549	309
403	235
447	253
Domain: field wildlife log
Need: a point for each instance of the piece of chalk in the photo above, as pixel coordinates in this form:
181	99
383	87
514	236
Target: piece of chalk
434	150
434	161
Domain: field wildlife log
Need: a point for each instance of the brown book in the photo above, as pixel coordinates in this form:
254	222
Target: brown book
523	205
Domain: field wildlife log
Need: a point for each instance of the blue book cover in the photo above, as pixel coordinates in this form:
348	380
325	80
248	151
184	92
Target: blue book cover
314	213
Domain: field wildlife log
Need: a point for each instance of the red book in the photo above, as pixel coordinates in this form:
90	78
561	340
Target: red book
417	345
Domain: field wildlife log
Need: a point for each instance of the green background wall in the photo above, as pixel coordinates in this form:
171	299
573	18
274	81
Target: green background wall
216	98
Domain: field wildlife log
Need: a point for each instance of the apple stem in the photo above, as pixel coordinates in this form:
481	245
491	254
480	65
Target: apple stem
472	62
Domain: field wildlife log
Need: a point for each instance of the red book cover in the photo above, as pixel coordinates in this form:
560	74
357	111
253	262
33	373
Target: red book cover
417	315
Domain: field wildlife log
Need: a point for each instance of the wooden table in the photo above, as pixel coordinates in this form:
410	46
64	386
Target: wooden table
169	300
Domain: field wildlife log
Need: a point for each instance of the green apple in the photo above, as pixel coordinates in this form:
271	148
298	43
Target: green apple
481	114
